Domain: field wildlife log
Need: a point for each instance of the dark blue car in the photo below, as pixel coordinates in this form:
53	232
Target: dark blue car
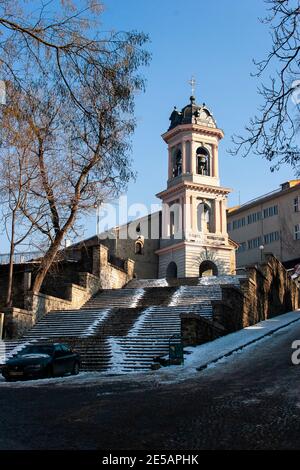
42	360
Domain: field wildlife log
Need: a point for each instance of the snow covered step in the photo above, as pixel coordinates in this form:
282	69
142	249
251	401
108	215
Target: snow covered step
128	298
68	323
11	348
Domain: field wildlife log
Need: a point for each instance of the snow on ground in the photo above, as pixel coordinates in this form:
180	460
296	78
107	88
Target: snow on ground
100	319
137	296
118	357
139	323
210	354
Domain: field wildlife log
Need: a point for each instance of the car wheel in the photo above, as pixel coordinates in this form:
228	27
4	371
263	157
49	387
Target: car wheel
76	368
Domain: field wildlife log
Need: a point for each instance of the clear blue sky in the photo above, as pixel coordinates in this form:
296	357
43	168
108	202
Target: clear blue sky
215	41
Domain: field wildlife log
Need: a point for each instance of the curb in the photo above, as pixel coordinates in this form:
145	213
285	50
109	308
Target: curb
239	348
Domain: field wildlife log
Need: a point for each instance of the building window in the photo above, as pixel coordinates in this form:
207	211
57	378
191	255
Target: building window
271	237
229	225
242	247
255	217
270	211
297	232
203	167
254	243
177	164
296	204
238	223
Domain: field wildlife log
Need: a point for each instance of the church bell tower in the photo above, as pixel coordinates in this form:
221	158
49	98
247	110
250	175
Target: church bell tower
194	228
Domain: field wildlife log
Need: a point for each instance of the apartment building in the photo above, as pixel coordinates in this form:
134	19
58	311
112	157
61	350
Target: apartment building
268	224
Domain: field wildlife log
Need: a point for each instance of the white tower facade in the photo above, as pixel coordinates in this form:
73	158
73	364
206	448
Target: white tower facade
194	228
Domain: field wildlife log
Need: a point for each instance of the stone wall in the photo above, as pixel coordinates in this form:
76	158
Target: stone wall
197	330
16	322
111	277
268	291
67	294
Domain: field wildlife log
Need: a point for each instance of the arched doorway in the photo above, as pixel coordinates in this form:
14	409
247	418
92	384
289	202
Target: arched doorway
208	268
171	270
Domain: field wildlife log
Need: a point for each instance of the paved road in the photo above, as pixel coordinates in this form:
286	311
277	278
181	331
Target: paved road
250	402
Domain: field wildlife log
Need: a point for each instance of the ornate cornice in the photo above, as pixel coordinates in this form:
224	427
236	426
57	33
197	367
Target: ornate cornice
185	185
182	244
196	128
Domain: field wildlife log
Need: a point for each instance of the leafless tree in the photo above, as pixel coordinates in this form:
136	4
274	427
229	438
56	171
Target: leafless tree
75	97
17	174
273	132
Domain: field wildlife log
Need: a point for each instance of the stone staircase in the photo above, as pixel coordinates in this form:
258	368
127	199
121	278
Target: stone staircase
200	296
149	338
123	330
10	348
64	323
115	298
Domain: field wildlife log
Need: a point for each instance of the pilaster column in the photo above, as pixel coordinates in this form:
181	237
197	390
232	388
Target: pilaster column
193	158
187	215
224	216
215	161
217	216
183	157
165	220
170	166
194	214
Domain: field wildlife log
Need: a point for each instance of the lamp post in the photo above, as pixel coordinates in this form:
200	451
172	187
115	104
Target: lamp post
97	206
261	252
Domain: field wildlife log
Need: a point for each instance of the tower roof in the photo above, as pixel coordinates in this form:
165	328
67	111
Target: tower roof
192	114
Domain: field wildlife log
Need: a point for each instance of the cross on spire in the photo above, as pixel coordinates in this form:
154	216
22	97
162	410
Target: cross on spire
192	82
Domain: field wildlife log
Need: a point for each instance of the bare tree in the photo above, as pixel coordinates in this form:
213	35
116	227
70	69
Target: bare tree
17	174
272	133
17	232
74	94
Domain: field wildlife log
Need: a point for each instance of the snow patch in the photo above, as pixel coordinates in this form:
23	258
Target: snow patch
139	324
138	294
103	314
118	357
176	296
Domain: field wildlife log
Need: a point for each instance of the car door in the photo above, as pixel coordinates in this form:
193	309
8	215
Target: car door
59	360
68	358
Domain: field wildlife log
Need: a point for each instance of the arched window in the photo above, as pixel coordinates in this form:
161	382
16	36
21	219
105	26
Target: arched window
171	270
207	218
204	217
203	161
177	166
138	247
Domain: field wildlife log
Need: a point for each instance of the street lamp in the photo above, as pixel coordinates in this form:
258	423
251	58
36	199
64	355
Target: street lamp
97	206
261	252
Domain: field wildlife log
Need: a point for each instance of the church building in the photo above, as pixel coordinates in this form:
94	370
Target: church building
190	232
194	227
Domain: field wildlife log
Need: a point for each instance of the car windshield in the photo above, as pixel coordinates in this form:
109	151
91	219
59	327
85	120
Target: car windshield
36	350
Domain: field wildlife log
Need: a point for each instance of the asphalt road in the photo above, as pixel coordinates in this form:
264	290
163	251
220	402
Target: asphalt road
250	402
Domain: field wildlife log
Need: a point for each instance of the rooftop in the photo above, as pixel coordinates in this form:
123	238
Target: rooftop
284	187
192	114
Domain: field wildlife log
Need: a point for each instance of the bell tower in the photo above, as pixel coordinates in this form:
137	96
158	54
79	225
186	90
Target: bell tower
194	226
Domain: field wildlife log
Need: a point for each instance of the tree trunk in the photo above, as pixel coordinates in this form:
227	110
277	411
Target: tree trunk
49	258
45	266
11	263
